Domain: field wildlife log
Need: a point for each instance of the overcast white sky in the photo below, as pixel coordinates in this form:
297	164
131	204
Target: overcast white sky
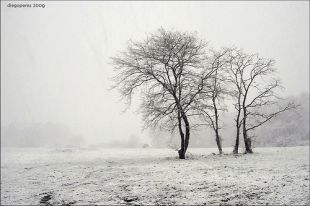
54	61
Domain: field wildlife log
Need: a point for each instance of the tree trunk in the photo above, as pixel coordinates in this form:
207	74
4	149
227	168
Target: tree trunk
184	141
236	148
187	131
182	150
217	136
218	142
238	124
181	154
247	141
216	129
248	148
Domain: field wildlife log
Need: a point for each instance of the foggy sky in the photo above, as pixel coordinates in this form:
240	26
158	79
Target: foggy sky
55	61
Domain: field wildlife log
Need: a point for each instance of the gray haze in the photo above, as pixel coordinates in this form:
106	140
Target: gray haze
55	61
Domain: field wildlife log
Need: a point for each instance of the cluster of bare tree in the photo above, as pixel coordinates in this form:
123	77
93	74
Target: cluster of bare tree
184	85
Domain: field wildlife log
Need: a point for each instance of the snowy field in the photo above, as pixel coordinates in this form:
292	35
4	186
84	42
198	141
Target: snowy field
154	176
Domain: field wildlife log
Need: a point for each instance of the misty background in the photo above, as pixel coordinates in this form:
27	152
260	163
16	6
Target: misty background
56	71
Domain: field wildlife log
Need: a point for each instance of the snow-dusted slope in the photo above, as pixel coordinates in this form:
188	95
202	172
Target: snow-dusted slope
154	176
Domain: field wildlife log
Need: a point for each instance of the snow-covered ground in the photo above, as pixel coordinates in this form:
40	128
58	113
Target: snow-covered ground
154	176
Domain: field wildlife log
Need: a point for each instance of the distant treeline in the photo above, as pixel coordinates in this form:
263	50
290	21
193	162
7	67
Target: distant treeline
288	129
39	135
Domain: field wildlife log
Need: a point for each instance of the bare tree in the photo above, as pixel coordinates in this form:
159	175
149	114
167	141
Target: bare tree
256	92
236	58
211	99
168	69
